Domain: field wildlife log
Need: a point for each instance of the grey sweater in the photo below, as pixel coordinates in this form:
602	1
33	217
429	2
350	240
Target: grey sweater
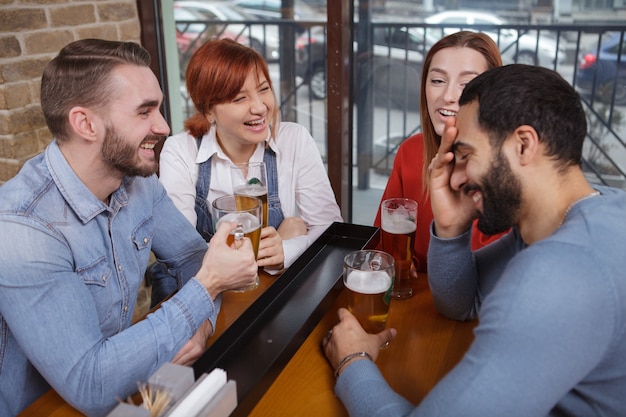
552	333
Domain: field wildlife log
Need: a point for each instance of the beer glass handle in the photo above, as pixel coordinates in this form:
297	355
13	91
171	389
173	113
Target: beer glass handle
239	235
376	263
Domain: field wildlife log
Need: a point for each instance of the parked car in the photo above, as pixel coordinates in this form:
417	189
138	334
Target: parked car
515	46
272	10
604	73
398	55
311	60
192	31
262	38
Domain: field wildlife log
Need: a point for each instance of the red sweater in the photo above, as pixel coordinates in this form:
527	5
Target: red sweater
406	181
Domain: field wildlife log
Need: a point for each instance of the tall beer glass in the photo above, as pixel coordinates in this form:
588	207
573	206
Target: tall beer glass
368	277
399	222
250	179
246	212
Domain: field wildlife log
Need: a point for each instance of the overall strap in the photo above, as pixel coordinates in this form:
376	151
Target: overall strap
204	222
275	212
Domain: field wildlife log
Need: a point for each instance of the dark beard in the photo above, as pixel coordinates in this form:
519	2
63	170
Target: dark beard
502	195
123	157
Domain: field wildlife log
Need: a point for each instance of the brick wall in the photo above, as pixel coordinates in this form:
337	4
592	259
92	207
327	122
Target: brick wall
31	34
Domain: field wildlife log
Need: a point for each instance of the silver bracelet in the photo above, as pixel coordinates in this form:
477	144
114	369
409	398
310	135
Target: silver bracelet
348	358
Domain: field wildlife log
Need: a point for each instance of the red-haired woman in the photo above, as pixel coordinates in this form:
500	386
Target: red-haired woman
237	121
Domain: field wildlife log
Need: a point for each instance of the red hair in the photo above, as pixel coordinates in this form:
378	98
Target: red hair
215	75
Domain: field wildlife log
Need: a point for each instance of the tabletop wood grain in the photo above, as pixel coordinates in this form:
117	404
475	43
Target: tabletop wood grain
427	346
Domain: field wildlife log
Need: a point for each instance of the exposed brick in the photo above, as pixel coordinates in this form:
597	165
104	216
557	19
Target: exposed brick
20	20
101	31
47	2
117	12
21	120
14	95
9	47
20	146
35	90
73	15
8	169
5	122
45	42
129	31
44	137
22	70
31	33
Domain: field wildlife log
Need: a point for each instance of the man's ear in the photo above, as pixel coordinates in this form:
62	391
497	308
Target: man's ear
84	123
526	142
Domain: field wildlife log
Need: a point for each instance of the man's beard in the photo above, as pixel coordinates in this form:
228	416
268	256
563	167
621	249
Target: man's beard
122	156
502	195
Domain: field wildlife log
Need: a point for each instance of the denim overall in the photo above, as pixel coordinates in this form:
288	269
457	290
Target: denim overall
204	223
165	281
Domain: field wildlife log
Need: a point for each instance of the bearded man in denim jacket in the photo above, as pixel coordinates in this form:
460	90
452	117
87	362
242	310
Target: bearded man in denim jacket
78	224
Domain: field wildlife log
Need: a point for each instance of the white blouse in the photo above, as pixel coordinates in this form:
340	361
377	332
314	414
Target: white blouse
303	186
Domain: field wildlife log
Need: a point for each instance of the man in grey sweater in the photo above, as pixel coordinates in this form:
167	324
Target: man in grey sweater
550	295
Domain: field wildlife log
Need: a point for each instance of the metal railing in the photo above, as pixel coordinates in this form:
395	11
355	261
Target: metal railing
394	70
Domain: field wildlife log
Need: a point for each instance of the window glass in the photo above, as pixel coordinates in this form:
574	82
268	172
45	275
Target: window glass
392	80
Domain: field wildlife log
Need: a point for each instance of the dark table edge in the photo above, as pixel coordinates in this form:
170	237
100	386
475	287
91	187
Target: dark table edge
258	345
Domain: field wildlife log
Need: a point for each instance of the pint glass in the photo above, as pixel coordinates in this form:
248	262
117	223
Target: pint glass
368	277
398	224
246	212
250	179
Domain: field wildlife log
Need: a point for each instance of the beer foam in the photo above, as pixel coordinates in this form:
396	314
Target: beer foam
368	282
248	221
253	190
397	225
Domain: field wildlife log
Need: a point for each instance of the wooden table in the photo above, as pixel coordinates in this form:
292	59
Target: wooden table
426	348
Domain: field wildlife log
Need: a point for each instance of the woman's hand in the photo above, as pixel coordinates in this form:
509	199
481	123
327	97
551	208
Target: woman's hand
271	253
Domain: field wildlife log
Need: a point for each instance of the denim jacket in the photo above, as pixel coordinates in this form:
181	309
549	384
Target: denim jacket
70	271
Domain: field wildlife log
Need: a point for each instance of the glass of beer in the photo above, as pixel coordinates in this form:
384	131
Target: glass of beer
368	277
250	179
398	224
246	212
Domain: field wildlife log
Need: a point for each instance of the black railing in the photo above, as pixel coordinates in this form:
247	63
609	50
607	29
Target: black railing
592	58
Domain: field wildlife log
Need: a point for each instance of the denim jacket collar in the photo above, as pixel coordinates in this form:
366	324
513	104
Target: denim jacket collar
82	201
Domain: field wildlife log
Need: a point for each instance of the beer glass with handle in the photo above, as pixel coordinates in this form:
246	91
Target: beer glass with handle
398	224
368	277
246	212
250	179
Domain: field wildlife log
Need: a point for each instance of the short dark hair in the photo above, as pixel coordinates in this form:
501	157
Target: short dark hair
516	94
81	76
